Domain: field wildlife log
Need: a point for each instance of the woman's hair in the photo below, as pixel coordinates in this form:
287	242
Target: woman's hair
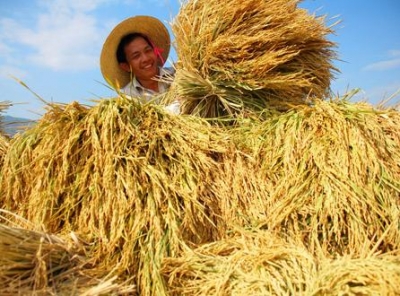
121	57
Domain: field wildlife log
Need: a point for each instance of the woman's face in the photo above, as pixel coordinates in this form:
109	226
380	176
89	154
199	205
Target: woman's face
141	59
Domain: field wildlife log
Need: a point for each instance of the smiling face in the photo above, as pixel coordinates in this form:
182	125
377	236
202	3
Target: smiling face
141	59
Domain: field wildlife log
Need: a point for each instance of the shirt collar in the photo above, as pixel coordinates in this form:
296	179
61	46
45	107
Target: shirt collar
164	72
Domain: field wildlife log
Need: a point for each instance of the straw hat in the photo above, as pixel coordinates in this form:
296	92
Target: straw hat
149	26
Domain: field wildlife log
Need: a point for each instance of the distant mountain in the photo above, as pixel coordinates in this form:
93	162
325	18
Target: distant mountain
11	125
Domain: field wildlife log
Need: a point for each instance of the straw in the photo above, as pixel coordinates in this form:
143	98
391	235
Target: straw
249	55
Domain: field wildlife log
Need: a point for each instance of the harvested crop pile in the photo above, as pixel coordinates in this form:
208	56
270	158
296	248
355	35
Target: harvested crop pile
159	202
248	55
332	173
41	262
260	263
140	185
373	274
129	178
248	263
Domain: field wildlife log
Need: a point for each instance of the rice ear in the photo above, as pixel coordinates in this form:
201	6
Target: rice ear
37	262
250	55
331	174
123	176
247	263
372	275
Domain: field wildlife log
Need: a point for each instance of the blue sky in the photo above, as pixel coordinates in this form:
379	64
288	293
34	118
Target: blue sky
54	47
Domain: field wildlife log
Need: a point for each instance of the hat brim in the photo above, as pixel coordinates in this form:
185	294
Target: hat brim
149	26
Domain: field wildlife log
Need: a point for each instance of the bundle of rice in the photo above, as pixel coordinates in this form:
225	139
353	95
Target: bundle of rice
371	275
131	179
248	263
253	54
35	262
332	174
260	263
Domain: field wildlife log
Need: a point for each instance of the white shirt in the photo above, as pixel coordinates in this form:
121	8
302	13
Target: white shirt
135	89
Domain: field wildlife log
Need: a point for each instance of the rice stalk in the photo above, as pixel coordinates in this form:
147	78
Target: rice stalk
130	179
241	192
248	263
32	260
378	274
249	55
4	143
332	172
38	263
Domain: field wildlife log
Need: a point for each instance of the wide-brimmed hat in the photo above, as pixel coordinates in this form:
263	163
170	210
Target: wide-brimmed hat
149	26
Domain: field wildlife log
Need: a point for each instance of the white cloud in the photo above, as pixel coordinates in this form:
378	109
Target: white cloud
9	72
389	64
383	65
65	6
63	41
138	3
8	50
8	27
64	36
394	52
5	50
